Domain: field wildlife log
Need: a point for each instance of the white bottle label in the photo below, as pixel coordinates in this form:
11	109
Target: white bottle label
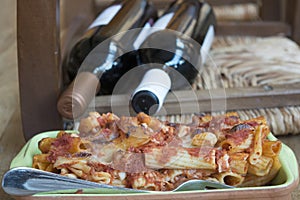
207	42
147	30
106	16
156	81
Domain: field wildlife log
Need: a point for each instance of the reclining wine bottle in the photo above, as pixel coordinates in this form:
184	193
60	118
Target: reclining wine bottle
100	78
173	52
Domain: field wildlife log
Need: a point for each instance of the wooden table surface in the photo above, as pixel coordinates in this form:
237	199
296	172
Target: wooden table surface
11	135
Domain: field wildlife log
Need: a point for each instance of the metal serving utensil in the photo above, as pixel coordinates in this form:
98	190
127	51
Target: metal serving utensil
23	181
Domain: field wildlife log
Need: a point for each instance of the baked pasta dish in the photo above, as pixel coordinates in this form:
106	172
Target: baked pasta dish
143	152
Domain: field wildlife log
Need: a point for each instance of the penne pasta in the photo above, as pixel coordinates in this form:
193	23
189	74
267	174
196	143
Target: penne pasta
238	163
241	145
77	172
223	162
149	181
41	162
145	153
62	162
253	180
262	166
171	175
230	178
180	158
101	177
45	144
271	148
257	146
205	139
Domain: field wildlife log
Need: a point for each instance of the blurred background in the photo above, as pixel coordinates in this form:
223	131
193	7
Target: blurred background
9	99
10	120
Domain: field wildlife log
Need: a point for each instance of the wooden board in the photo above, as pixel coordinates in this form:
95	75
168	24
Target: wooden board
219	99
38	61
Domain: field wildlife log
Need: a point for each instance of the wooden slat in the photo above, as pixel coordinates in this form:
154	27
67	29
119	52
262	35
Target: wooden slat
211	2
271	10
296	24
258	28
229	2
38	58
212	100
293	17
160	4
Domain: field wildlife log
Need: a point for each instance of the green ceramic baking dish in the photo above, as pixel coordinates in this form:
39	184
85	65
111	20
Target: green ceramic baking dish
280	188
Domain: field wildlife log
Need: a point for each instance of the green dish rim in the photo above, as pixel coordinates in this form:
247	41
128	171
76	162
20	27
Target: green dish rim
288	175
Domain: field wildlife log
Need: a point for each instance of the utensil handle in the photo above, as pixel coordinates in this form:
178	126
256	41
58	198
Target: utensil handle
24	181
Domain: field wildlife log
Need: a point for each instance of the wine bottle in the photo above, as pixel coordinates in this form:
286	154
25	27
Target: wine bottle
107	64
173	52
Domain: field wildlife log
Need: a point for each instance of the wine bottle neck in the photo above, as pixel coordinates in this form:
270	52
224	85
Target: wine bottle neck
185	16
126	18
108	60
148	29
178	55
106	16
180	17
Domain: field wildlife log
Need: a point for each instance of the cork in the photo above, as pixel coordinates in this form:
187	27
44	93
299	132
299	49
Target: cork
76	98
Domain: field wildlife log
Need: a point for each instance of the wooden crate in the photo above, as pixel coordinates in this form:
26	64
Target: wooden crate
45	30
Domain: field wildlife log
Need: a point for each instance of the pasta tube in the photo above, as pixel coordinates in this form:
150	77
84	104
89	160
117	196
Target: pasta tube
204	139
180	158
230	178
253	180
147	181
238	163
271	148
257	146
240	145
45	144
41	162
262	166
145	153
